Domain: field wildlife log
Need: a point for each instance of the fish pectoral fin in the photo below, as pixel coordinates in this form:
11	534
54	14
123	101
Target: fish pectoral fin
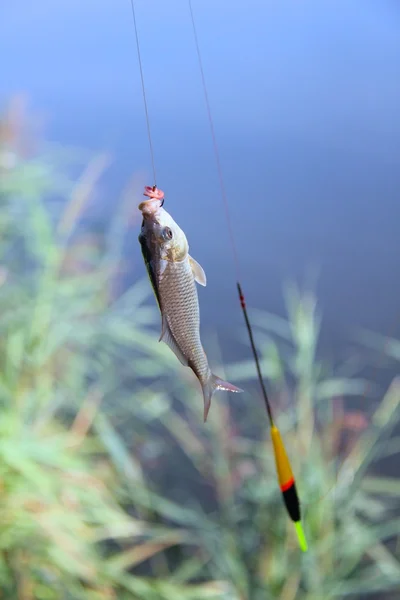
198	272
168	338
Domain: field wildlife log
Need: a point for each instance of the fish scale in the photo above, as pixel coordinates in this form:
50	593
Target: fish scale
180	303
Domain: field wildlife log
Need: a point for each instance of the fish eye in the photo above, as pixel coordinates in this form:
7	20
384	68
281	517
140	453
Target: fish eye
167	233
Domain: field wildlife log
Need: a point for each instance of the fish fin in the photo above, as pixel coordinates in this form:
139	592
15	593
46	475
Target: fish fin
198	272
167	337
215	383
164	327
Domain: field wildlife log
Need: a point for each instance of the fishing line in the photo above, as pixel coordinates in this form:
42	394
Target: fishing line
144	93
283	467
216	151
228	216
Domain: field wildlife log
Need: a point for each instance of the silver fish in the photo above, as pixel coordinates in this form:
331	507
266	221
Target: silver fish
173	274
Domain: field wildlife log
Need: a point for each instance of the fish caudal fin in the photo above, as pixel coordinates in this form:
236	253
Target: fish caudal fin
213	384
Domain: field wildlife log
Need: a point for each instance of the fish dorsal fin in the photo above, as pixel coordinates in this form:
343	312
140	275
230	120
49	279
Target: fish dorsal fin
198	272
167	337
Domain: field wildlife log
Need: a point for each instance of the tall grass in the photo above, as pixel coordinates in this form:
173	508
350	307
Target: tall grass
110	484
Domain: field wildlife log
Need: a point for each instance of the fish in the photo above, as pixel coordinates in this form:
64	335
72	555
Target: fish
173	274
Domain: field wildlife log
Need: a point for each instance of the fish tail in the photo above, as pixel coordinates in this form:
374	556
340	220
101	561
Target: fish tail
213	384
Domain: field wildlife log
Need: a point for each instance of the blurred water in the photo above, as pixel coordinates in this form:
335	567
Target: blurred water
306	104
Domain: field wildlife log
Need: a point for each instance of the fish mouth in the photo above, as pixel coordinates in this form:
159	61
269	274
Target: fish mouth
150	208
151	223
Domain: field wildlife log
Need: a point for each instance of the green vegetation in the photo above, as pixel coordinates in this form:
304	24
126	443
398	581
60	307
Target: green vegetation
111	487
